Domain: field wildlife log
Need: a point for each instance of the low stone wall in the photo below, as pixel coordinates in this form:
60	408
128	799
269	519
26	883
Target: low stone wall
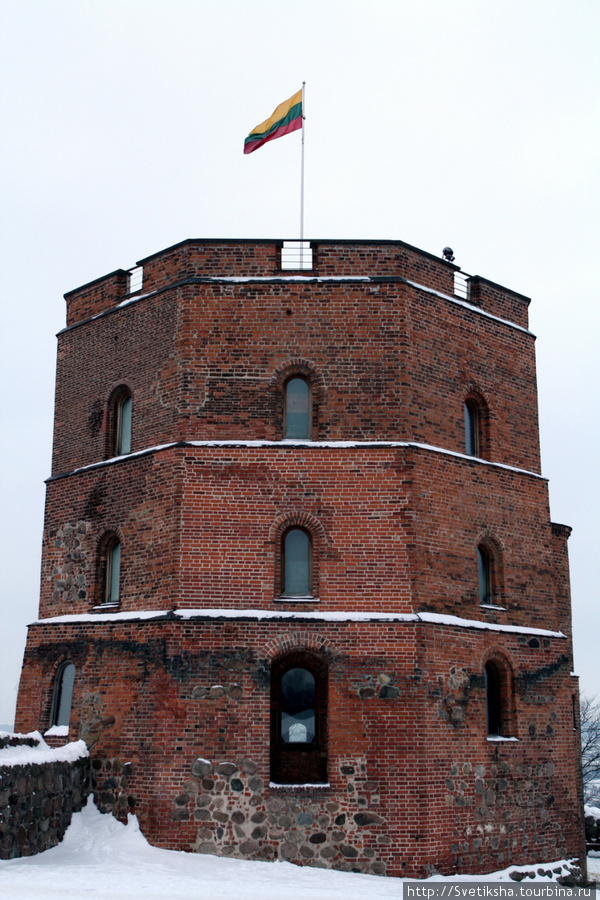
37	799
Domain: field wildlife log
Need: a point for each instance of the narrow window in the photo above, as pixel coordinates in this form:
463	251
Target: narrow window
63	695
485	573
113	573
472	447
123	435
297	408
297	563
493	700
299	719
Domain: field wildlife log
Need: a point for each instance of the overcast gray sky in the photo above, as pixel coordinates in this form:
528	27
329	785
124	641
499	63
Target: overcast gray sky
468	123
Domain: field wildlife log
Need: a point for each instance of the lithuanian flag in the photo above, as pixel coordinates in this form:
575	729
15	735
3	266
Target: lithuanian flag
285	119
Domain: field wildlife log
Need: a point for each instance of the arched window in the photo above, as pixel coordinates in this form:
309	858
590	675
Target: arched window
112	575
500	708
297	408
472	429
124	410
63	695
485	572
493	699
296	563
299	719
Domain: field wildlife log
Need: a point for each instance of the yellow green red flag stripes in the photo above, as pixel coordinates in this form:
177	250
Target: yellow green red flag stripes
285	119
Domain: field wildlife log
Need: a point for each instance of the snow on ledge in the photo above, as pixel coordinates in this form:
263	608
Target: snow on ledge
320	616
470	306
282	279
302	787
500	739
442	619
290	443
42	753
57	731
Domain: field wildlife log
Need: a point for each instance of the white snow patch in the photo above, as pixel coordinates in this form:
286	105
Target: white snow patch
57	731
268	279
320	616
439	619
301	787
42	753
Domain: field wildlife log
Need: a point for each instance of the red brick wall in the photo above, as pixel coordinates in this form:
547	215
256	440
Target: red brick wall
414	781
138	501
206	361
407	744
394	529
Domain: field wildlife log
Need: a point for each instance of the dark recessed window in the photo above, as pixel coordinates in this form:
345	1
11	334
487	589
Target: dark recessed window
493	699
485	571
472	429
296	555
297	408
63	695
297	707
299	719
123	432
113	573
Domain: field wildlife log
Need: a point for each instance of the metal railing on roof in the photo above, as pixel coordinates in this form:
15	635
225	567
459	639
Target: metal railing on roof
462	285
136	279
296	255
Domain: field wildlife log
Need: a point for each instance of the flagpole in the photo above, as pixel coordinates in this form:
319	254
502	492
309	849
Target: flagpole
302	181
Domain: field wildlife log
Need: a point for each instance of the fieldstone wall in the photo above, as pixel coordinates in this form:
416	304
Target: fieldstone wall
37	801
236	816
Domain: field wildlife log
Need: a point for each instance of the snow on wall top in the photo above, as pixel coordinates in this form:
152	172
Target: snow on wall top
41	753
317	616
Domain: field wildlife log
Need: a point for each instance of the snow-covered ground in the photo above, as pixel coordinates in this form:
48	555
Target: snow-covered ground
102	859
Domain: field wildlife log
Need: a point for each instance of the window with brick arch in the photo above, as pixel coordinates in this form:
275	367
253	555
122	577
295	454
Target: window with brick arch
299	719
472	441
296	563
63	695
486	575
476	426
124	420
109	570
120	422
500	710
297	412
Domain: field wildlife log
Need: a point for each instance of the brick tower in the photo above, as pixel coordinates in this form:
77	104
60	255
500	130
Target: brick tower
300	590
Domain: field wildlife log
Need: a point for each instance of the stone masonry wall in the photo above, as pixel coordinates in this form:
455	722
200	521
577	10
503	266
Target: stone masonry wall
37	801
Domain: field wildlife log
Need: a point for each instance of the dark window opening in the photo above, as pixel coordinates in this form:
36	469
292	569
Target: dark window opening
63	695
485	572
113	574
472	429
297	414
299	719
493	697
297	707
123	431
296	563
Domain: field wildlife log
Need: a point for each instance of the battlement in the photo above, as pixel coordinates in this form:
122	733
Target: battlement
264	259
